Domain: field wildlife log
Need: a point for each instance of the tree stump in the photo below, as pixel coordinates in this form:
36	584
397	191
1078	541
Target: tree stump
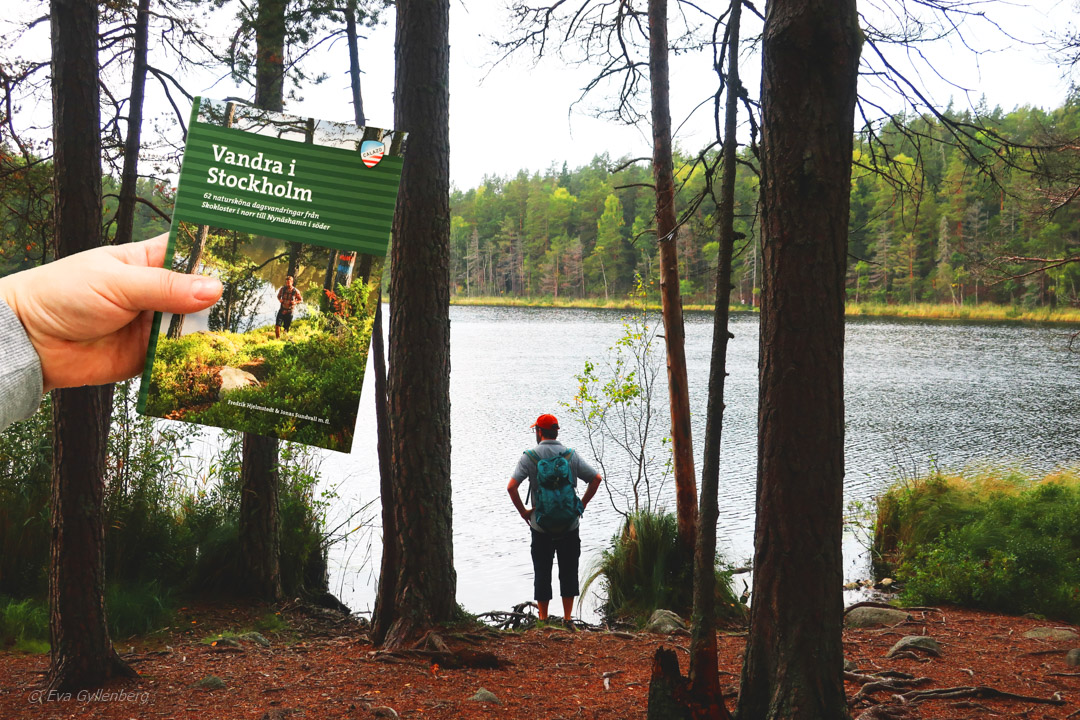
668	692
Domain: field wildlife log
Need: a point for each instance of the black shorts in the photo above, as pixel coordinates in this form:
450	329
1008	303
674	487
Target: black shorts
544	549
284	319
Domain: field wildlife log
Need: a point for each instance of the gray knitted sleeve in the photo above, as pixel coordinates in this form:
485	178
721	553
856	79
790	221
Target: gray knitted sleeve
20	370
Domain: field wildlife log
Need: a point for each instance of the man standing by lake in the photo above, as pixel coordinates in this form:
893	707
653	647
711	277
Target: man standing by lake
553	472
289	297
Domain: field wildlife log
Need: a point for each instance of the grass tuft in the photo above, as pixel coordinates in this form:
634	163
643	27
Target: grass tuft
644	570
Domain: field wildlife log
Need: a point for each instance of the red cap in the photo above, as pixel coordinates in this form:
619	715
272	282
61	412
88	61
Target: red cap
547	422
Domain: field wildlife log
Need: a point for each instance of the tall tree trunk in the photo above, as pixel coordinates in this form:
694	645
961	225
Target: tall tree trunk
260	545
176	324
270	55
419	382
682	443
354	63
259	513
389	566
704	677
794	655
129	177
81	654
383	615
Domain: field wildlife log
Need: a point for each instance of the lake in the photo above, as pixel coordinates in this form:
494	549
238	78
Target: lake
955	395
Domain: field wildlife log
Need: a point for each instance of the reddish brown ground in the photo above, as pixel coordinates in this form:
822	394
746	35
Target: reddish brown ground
322	670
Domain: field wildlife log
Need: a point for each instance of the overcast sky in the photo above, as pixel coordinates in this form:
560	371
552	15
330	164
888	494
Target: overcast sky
517	115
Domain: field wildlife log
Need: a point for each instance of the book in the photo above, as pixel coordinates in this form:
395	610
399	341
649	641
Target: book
293	215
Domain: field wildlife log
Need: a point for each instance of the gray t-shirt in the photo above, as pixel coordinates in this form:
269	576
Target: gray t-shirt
526	469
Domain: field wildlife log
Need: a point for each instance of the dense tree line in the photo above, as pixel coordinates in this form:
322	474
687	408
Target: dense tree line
930	221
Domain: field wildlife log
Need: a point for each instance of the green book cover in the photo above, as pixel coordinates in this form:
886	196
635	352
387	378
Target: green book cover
293	215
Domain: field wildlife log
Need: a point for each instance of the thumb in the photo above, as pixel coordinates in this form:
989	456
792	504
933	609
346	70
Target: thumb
150	288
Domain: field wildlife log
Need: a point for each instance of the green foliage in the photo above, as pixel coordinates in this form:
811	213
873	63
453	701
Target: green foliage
925	222
138	608
317	371
644	570
25	488
271	623
614	404
999	542
170	523
24	624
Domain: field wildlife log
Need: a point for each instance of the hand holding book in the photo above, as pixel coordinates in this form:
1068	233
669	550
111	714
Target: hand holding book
89	315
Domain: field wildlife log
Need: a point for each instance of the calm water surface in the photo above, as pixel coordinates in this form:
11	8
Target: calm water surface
954	394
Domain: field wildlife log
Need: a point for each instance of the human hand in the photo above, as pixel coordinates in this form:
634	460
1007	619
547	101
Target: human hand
527	514
88	315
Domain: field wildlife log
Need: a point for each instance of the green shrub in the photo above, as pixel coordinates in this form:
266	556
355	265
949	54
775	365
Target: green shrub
170	526
24	624
318	371
137	608
271	623
995	541
645	570
25	490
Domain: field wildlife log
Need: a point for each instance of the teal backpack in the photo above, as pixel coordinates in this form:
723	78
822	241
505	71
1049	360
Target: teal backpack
556	505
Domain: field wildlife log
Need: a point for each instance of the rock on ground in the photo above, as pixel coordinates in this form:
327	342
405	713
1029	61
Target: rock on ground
234	379
483	695
1048	633
922	643
664	622
869	617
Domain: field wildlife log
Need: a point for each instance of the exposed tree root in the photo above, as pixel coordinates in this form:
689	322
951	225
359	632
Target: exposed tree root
889	712
980	691
882	682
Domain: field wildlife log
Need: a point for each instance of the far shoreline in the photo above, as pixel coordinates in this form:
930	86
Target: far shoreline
917	311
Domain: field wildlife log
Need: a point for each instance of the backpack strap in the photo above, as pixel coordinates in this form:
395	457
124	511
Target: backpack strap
536	459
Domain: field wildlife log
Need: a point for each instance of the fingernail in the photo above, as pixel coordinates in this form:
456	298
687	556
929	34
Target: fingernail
206	289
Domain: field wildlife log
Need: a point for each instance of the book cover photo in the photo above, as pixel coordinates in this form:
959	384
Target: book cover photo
293	215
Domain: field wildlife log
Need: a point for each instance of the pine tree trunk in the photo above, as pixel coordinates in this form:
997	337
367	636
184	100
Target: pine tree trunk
682	443
383	615
81	654
259	513
354	63
129	177
270	54
704	677
176	324
419	382
794	655
259	518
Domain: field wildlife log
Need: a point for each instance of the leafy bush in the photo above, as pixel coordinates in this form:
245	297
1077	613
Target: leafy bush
645	570
996	542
